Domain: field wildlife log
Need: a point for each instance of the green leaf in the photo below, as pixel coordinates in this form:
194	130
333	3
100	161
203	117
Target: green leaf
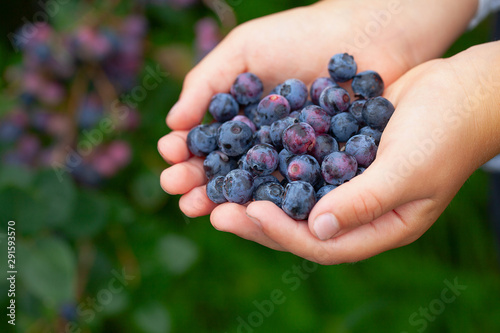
15	176
47	269
89	215
58	195
22	207
147	192
176	253
153	318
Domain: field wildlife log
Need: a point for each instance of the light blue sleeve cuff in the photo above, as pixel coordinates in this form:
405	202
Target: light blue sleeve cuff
485	7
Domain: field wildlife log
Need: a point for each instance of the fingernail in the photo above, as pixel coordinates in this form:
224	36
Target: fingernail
326	226
254	220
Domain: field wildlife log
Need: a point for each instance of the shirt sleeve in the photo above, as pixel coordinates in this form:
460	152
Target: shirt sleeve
485	7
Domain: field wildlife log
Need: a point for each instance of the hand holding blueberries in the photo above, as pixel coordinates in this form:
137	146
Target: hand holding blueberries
361	205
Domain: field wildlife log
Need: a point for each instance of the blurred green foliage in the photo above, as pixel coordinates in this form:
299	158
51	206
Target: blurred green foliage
130	261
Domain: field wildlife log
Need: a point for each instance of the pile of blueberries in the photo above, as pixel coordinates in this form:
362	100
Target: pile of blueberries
312	145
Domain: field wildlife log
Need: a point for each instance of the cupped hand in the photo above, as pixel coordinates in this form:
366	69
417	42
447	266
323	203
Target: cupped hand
292	44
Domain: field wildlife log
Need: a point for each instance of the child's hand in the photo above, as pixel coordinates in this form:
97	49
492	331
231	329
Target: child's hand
298	44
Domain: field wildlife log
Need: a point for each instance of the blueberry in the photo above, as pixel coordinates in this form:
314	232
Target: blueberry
235	138
284	156
223	107
257	181
215	190
262	159
343	126
247	121
294	114
276	90
334	100
367	84
377	112
202	140
238	186
363	148
218	164
371	132
277	129
316	117
360	171
356	109
318	86
338	167
324	145
295	91
324	191
247	88
298	200
299	138
242	163
342	67
250	111
304	168
272	108
270	192
263	135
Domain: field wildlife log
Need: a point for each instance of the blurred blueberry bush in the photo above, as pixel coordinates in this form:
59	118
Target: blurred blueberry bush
101	248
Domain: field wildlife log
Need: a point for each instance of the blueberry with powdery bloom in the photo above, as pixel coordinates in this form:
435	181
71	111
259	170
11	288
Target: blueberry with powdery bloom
270	192
215	190
242	163
277	129
298	200
324	191
276	90
377	112
325	144
342	67
299	138
272	108
238	186
247	121
247	88
284	156
202	140
234	138
223	107
343	126
304	168
334	100
371	132
318	86
316	117
218	164
367	84
356	109
263	135
294	114
262	159
257	181
338	167
295	91
360	171
363	148
250	111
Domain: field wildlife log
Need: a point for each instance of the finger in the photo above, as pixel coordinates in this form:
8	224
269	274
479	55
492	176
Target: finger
215	73
195	203
183	177
391	230
230	217
173	148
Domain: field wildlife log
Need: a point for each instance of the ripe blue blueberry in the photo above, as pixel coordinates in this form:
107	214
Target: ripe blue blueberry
356	109
367	84
277	129
284	156
246	120
202	140
262	159
324	191
298	200
257	181
215	191
304	168
247	88
342	67
263	135
371	132
270	192
295	91
235	138
238	186
272	108
316	117
338	167
318	86
343	126
363	148
377	112
324	145
218	164
299	138
334	100
223	107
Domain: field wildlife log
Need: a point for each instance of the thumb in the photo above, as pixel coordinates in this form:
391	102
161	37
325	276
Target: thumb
215	73
366	197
